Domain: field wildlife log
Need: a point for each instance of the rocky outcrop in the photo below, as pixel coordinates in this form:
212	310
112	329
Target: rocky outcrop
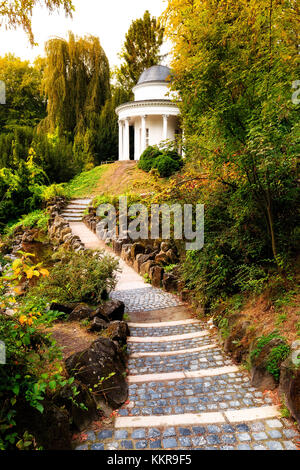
289	386
118	331
112	310
80	416
261	376
101	367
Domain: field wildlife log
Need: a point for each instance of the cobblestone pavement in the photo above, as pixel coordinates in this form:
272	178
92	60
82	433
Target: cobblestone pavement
185	393
145	299
271	434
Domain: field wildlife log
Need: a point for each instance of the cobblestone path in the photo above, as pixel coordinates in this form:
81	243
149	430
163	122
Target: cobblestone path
184	392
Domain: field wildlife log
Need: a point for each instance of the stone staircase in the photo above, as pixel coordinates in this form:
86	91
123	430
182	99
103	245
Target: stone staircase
75	210
185	393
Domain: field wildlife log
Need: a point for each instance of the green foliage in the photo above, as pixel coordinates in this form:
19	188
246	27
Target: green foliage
76	84
38	218
79	277
276	356
20	190
55	190
241	125
148	158
140	50
25	106
108	133
167	162
170	268
33	368
166	165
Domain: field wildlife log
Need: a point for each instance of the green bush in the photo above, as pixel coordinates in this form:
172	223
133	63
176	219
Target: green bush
276	356
148	158
38	219
79	277
166	166
167	162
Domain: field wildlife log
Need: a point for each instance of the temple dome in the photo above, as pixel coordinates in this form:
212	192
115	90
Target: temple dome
156	73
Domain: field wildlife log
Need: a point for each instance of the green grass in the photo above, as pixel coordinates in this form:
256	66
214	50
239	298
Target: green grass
84	184
38	218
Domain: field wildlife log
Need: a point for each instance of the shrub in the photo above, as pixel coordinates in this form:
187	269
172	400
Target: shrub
50	192
148	158
277	354
37	219
166	166
166	162
33	368
80	277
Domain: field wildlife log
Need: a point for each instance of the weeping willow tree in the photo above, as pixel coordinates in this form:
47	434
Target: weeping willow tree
76	85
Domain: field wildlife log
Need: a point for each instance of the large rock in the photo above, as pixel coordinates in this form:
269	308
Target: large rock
261	378
81	417
102	359
66	308
98	324
136	249
145	267
80	312
143	258
111	310
162	258
156	275
118	331
170	282
289	385
51	429
239	338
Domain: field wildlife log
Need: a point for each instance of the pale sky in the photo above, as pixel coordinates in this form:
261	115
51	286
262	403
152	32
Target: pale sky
109	20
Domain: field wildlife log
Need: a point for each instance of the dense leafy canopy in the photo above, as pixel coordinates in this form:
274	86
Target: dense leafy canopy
141	50
24	104
235	63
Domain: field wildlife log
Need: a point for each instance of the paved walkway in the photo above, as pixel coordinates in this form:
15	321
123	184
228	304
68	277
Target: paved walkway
184	392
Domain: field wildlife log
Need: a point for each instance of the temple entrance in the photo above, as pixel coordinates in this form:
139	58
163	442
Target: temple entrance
131	142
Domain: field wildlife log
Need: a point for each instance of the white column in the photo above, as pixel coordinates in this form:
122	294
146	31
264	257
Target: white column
136	142
120	140
165	126
126	154
143	143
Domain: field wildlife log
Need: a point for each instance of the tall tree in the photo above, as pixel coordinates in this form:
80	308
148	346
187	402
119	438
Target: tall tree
24	104
76	84
16	13
235	63
141	50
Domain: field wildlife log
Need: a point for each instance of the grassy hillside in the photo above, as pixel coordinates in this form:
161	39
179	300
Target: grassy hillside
116	178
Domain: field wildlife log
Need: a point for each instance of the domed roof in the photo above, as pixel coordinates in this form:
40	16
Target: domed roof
157	73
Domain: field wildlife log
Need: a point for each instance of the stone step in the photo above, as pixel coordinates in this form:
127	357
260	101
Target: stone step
84	202
191	361
169	346
173	353
165	330
193	395
230	416
190	321
73	211
72	219
77	206
268	434
145	299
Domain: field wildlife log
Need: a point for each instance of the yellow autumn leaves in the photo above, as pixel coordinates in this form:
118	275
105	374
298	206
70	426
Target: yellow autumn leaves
23	267
29	319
